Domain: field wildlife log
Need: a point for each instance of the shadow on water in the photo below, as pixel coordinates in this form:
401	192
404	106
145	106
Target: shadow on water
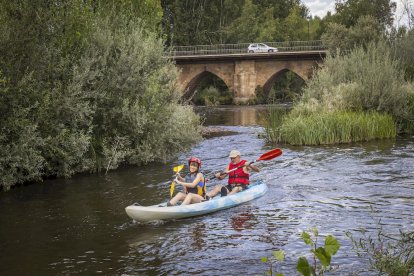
79	226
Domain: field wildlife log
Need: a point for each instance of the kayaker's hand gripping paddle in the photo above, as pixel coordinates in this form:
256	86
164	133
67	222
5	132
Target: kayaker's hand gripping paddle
264	157
176	169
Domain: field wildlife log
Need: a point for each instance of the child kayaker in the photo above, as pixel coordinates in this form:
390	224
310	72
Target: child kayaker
238	178
193	183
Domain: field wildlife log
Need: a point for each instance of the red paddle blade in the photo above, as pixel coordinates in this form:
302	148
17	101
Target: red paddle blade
270	154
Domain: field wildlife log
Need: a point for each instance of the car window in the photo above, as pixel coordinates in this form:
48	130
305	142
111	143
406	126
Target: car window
262	45
253	45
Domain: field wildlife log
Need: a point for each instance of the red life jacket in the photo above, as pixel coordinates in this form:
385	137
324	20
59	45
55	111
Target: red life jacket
238	176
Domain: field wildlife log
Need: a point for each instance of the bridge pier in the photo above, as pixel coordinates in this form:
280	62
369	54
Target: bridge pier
244	81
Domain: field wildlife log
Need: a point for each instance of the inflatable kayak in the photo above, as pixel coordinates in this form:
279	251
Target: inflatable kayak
162	212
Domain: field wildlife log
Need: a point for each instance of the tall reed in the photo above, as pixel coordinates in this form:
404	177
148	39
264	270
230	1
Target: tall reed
329	127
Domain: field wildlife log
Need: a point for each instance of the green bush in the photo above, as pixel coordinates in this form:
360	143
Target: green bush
213	96
132	88
387	254
363	80
404	51
111	98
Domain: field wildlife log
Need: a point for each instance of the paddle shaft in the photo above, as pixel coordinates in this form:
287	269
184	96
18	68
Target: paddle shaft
266	156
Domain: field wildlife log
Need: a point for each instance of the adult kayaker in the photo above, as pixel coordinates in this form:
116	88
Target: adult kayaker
238	179
193	183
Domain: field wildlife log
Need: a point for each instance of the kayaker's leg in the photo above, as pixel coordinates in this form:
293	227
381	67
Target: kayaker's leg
226	190
178	197
215	191
236	190
192	198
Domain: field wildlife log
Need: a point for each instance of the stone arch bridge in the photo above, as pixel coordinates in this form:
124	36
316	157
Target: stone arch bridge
244	72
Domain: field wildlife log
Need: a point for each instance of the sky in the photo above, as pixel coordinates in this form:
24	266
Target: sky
321	7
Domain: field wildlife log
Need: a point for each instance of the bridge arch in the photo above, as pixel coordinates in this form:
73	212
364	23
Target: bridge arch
193	83
271	81
192	74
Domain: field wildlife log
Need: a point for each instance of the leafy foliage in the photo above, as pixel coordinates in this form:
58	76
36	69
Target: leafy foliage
362	80
349	12
278	256
365	31
386	254
212	96
323	254
85	87
232	21
404	52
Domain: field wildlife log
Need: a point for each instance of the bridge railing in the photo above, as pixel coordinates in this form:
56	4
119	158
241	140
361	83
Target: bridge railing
241	48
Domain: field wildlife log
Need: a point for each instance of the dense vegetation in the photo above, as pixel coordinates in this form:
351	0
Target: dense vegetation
364	90
84	87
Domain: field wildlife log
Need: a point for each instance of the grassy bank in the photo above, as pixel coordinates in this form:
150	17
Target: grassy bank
329	127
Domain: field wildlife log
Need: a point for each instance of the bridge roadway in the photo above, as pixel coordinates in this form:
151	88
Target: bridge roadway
243	73
291	55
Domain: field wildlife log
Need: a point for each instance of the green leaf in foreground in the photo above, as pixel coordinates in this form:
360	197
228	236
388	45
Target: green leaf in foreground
331	245
303	266
322	256
279	255
306	238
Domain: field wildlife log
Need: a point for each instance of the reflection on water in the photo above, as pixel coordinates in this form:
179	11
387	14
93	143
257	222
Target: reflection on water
243	220
233	115
197	235
79	226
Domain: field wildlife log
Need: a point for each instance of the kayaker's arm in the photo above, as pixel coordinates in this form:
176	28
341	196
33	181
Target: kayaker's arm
248	167
194	183
222	175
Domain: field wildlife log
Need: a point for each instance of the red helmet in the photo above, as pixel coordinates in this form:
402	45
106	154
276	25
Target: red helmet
196	160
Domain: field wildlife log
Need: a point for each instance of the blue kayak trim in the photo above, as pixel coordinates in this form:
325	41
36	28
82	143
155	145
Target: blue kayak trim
155	212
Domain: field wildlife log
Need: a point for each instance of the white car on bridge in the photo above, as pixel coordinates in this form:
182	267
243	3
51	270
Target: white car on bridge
260	48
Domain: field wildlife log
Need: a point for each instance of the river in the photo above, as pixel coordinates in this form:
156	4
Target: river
79	226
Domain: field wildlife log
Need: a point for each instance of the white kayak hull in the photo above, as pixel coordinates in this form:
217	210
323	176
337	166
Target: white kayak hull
155	212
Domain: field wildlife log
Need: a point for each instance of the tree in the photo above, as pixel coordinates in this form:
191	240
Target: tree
198	22
404	51
349	11
338	36
246	28
295	25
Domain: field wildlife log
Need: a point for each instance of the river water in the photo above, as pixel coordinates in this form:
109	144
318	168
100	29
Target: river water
79	226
